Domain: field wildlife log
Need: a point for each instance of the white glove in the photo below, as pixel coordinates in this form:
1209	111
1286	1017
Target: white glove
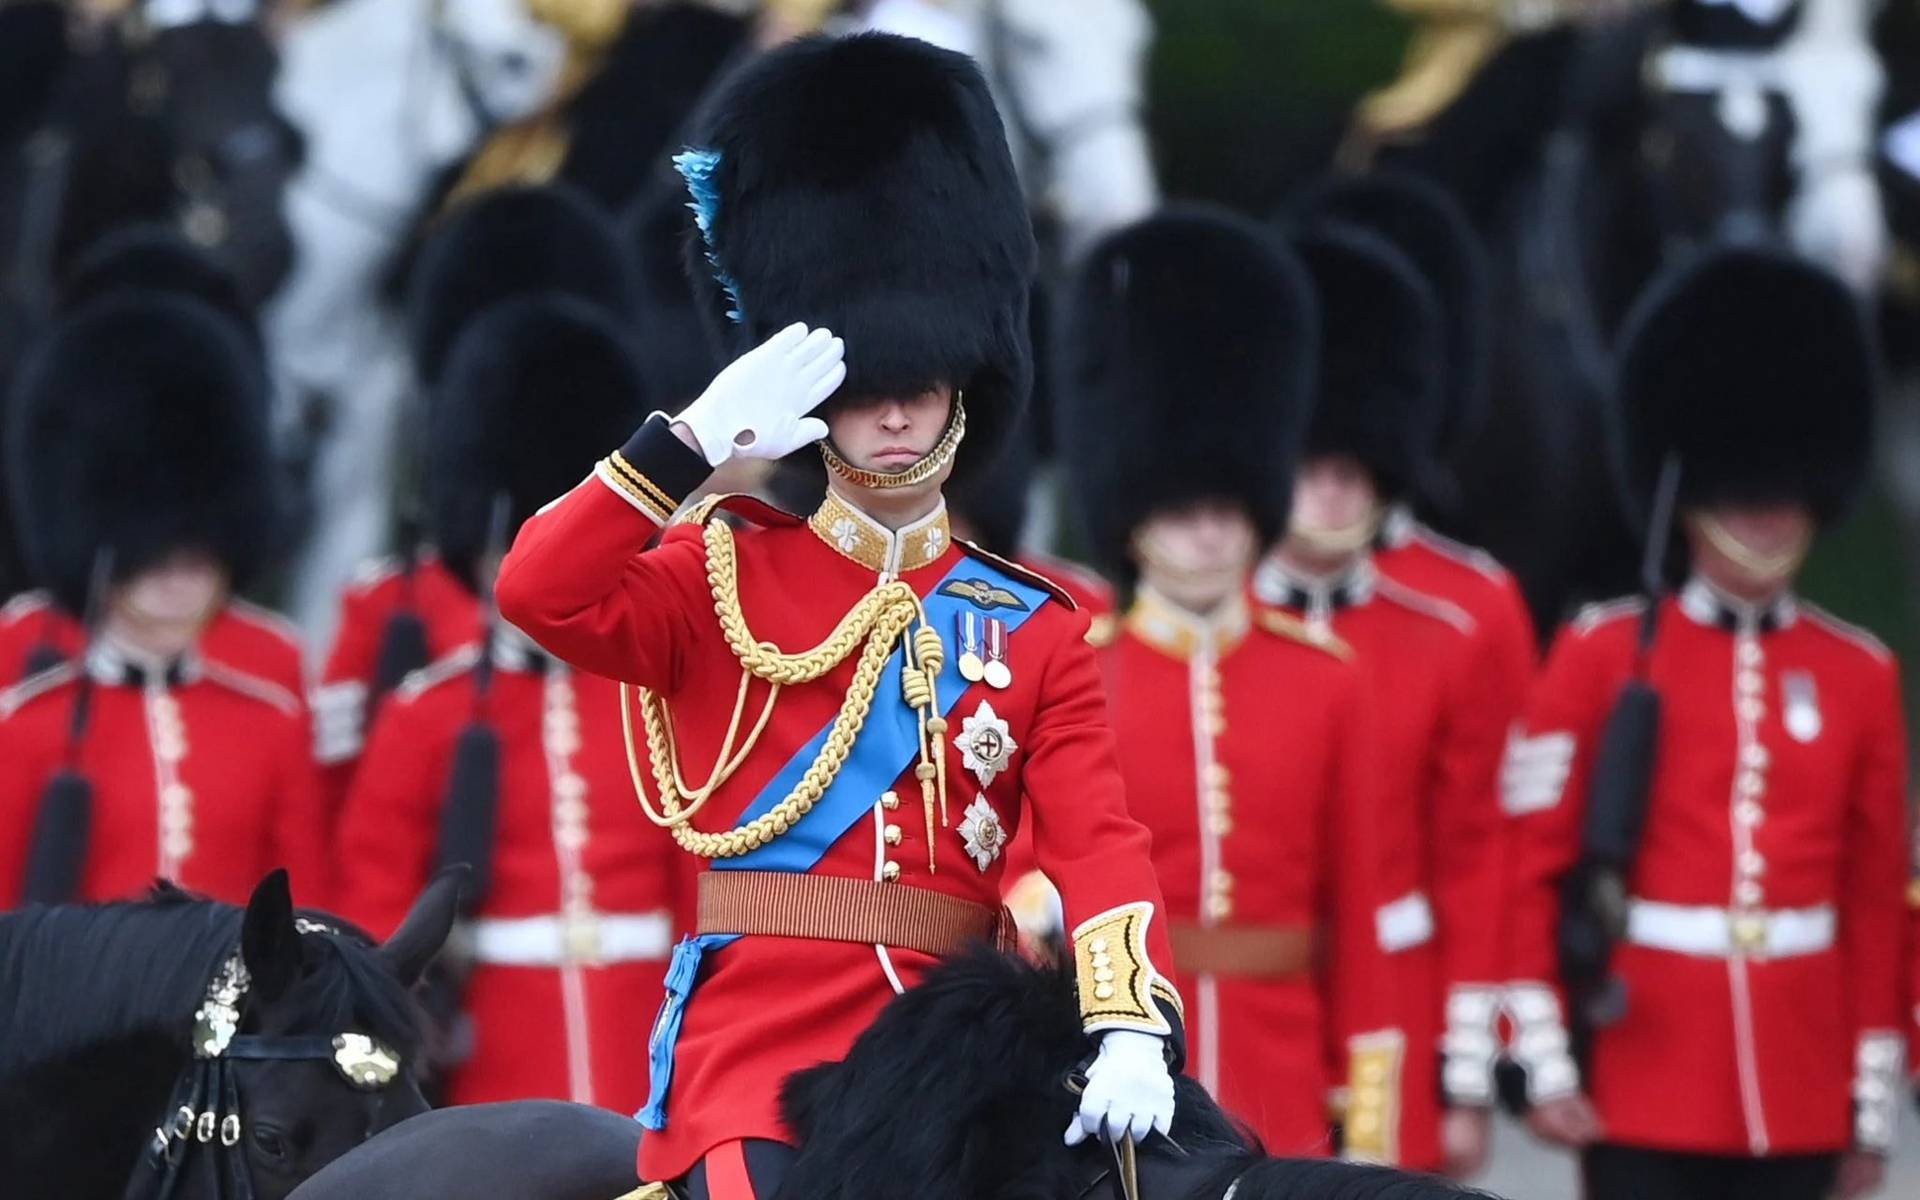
757	407
1128	1087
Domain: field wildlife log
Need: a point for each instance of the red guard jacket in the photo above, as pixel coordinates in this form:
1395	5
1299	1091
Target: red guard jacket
242	635
1243	750
571	941
1436	747
201	774
584	581
1765	934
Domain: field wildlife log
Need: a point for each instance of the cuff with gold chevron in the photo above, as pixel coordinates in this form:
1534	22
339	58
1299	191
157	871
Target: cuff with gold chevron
1119	989
1372	1125
654	471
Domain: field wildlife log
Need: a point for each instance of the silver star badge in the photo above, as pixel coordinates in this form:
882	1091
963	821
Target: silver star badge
984	743
984	834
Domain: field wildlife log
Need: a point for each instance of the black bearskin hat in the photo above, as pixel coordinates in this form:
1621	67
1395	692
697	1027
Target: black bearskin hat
864	184
671	338
1187	366
139	425
1757	369
1420	220
534	392
995	501
1378	394
154	258
516	241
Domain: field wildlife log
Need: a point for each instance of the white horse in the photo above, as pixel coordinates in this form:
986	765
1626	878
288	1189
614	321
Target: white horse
389	94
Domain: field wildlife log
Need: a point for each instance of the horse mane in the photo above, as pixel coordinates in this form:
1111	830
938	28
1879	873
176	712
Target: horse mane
80	975
77	975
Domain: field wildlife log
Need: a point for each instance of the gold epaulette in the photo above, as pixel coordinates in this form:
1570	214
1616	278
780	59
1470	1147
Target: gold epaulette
1104	630
1295	630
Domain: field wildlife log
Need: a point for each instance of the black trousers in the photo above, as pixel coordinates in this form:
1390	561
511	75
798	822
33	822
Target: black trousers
1634	1173
749	1170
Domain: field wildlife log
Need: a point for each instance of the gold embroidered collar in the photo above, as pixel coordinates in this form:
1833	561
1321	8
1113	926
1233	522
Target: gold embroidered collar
1173	630
866	541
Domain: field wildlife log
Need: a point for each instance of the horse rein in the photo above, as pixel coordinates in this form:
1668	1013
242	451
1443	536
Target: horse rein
204	1108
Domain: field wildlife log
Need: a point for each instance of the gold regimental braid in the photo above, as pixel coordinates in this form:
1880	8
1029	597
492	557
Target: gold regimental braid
874	627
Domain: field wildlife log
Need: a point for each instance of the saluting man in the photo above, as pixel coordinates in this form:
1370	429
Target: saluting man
1190	349
1759	1050
1434	739
848	714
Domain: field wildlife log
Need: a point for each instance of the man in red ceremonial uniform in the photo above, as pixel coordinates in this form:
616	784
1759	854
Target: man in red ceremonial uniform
1190	341
1753	1043
574	921
138	441
1434	740
848	714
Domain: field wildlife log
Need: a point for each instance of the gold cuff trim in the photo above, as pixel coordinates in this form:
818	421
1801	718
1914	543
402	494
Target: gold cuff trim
635	488
1115	978
1374	1063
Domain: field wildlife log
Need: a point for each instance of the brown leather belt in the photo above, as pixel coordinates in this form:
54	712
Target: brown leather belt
1251	951
835	909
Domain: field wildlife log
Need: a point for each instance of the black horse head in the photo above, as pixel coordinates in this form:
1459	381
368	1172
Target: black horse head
110	1011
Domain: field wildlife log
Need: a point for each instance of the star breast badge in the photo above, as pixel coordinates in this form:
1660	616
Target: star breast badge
985	744
984	834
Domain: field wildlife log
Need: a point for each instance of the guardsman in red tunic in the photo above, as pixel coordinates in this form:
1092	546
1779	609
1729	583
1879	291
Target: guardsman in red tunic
139	444
574	919
1434	741
415	608
849	713
1189	344
1751	1041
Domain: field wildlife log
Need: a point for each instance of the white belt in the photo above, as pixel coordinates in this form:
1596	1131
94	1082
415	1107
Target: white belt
552	941
1719	933
1404	923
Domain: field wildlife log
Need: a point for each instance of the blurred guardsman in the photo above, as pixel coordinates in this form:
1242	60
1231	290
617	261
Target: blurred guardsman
848	714
512	757
1750	1043
1435	742
1190	350
141	478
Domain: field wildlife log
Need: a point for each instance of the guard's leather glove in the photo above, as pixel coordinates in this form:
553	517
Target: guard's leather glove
1128	1088
757	407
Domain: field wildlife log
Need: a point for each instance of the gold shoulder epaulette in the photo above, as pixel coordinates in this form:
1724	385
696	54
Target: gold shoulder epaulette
1104	630
1295	630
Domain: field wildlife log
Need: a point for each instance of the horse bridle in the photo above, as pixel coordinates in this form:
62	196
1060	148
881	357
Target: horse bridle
203	1111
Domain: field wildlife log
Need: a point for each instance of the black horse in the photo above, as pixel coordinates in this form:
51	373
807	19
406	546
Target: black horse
958	1092
285	1037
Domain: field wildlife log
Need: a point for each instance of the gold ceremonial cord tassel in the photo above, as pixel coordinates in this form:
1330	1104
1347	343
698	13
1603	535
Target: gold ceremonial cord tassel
874	626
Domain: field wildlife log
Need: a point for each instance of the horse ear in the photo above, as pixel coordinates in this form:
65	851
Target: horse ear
269	941
425	929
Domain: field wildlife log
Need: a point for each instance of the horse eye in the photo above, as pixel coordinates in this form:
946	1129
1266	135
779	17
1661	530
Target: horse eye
269	1142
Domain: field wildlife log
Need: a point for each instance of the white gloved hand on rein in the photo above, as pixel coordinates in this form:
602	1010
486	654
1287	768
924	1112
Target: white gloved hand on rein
757	407
1128	1088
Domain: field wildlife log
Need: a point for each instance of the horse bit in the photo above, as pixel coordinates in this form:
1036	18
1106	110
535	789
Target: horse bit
205	1104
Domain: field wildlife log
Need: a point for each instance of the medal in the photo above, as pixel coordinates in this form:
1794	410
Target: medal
996	672
972	668
986	745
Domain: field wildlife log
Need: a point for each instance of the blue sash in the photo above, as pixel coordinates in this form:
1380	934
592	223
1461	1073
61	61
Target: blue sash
888	743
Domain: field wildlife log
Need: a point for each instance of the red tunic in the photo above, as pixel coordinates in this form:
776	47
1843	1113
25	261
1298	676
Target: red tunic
581	580
572	939
452	617
241	635
200	775
1765	938
1243	752
1436	749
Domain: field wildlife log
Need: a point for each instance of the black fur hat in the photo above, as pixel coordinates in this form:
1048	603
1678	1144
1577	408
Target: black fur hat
864	184
673	343
1187	366
1378	395
516	241
140	425
1758	370
534	392
149	257
1420	220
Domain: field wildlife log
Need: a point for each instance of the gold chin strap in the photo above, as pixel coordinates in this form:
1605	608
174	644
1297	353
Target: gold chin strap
1338	539
875	625
1754	563
929	465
